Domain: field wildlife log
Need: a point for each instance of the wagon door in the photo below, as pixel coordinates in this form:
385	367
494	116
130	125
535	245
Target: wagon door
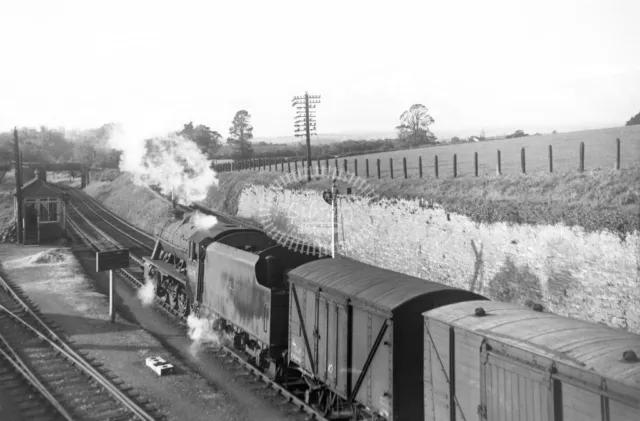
331	346
513	390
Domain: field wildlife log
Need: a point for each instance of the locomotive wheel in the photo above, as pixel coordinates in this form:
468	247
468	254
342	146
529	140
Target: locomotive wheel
169	299
183	305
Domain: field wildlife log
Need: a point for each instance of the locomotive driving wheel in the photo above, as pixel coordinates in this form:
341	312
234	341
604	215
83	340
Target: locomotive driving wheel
183	306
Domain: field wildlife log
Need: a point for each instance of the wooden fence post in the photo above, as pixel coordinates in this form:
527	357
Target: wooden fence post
404	166
499	167
391	166
476	163
455	166
420	165
337	169
522	161
327	162
355	166
366	162
436	165
319	167
550	158
581	156
617	153
289	166
378	168
345	166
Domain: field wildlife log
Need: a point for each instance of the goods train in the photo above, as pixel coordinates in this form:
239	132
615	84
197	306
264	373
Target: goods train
359	342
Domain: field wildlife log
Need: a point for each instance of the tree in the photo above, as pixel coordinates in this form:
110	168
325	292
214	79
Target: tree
554	132
517	133
208	141
85	152
241	133
414	126
634	120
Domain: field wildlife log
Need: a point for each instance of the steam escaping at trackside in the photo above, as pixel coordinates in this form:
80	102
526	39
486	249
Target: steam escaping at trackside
167	160
147	292
201	332
202	221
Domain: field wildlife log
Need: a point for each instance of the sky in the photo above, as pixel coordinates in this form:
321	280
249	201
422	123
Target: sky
498	65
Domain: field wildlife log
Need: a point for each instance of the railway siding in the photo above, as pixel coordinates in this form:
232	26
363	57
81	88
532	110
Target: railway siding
69	381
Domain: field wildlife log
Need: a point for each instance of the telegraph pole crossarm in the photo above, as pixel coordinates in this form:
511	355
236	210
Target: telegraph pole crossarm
304	122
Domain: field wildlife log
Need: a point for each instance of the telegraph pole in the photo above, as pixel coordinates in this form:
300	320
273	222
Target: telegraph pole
18	177
305	121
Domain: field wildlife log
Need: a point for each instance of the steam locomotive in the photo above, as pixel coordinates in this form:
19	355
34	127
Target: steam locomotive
370	343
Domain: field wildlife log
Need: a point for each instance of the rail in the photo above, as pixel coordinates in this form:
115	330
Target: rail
235	355
69	353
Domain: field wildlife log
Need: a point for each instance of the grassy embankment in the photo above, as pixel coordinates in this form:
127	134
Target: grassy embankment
594	200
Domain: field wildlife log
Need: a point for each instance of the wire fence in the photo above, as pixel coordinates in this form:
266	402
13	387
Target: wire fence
401	167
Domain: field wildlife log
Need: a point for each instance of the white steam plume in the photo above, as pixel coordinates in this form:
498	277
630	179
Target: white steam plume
202	333
167	160
147	292
202	221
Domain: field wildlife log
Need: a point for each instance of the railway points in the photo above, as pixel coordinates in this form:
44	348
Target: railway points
38	361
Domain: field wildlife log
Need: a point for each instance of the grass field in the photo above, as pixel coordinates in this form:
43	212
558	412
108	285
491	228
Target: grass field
600	153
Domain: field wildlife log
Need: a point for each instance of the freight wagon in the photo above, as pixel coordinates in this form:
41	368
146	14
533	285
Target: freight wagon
494	361
355	332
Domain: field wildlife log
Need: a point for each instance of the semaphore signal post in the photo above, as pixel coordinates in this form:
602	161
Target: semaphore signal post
305	121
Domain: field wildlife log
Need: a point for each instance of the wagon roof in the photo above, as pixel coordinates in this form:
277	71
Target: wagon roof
217	231
379	287
591	346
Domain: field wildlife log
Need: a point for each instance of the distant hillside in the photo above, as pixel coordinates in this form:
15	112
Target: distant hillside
326	138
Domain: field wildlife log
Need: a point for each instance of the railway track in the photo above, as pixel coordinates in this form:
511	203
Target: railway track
47	378
98	228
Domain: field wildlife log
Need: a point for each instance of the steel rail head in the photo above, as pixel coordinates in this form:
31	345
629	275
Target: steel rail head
13	359
91	208
71	354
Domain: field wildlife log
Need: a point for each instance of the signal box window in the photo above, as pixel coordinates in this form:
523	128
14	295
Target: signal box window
48	211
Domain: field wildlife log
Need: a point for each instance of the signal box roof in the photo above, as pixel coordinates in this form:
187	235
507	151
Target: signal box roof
39	189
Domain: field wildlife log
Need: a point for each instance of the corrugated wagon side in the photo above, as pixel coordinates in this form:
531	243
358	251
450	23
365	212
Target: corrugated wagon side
497	361
355	334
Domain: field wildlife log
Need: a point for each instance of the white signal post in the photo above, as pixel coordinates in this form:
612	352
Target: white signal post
112	314
110	260
334	218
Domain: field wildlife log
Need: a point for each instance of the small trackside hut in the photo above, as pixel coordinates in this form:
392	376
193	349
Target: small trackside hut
43	211
355	334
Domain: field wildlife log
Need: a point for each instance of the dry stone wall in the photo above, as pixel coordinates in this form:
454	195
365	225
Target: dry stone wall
590	276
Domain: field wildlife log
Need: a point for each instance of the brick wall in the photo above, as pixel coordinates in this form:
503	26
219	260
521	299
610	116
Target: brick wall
591	276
